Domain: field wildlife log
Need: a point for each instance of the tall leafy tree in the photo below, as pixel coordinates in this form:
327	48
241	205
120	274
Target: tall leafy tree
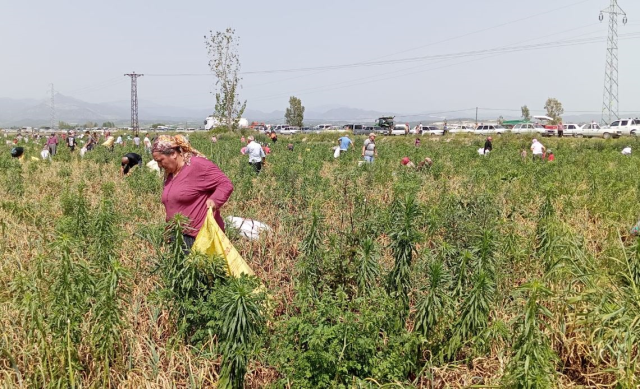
224	62
64	125
526	115
554	110
294	115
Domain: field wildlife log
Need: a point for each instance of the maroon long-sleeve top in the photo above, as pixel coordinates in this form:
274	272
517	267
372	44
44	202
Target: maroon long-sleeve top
187	193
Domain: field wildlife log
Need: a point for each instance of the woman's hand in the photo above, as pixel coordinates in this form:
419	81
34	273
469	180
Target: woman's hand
211	204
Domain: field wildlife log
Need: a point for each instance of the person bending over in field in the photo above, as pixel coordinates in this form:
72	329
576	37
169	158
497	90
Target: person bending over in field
344	143
488	146
407	162
425	164
256	154
537	149
192	184
129	161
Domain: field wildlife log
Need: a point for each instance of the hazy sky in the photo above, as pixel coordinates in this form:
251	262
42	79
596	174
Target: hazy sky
85	47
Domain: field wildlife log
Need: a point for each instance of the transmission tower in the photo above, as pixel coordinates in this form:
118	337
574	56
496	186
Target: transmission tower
134	101
53	108
610	95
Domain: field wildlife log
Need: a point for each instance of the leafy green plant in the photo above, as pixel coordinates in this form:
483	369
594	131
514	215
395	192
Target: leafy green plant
404	236
533	363
243	319
368	267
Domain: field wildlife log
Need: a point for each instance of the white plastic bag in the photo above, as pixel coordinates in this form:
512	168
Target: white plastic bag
153	166
336	153
248	228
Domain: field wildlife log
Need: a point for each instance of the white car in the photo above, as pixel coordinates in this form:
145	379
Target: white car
528	128
278	128
571	129
399	129
593	129
431	130
322	127
627	126
490	129
455	129
290	130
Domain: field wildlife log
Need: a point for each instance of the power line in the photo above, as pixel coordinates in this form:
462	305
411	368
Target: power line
369	63
545	45
351	84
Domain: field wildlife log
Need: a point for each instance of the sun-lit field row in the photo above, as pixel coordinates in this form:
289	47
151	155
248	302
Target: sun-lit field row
487	271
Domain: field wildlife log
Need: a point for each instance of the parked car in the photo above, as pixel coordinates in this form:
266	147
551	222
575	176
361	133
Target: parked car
322	127
431	130
571	129
490	129
627	126
399	129
528	128
594	130
462	129
375	129
278	128
353	127
362	130
290	130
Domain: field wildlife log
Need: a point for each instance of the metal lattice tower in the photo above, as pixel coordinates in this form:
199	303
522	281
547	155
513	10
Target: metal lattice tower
134	101
610	95
53	108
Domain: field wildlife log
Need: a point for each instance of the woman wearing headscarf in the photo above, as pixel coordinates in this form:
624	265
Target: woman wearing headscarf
192	183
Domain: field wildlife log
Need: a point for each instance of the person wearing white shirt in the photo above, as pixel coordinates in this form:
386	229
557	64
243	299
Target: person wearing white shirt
147	144
537	149
256	154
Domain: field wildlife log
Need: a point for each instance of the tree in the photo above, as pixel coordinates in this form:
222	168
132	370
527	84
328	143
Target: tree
500	120
64	125
224	62
295	113
109	125
90	125
526	115
554	110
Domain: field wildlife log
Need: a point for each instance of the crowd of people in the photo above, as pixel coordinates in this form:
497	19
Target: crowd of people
87	140
193	184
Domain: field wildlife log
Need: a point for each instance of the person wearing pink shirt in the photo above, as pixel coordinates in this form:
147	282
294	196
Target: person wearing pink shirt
192	183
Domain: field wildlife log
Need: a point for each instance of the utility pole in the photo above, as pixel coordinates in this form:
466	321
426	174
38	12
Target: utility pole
476	116
134	101
610	95
53	108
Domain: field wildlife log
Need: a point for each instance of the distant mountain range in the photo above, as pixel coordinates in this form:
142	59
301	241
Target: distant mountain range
37	113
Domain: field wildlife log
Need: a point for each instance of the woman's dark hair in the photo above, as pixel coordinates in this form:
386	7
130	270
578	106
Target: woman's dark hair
16	152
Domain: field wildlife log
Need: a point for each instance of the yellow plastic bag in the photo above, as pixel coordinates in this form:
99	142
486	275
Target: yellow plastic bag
109	141
212	241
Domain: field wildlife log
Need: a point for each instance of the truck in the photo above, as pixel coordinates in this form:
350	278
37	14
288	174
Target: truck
386	122
629	126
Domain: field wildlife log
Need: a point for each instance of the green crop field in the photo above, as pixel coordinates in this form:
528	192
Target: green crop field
477	272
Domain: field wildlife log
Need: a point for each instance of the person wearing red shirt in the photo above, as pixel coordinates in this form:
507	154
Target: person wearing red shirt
550	156
192	183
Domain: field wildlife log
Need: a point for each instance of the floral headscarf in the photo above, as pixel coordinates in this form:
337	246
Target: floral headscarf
178	142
